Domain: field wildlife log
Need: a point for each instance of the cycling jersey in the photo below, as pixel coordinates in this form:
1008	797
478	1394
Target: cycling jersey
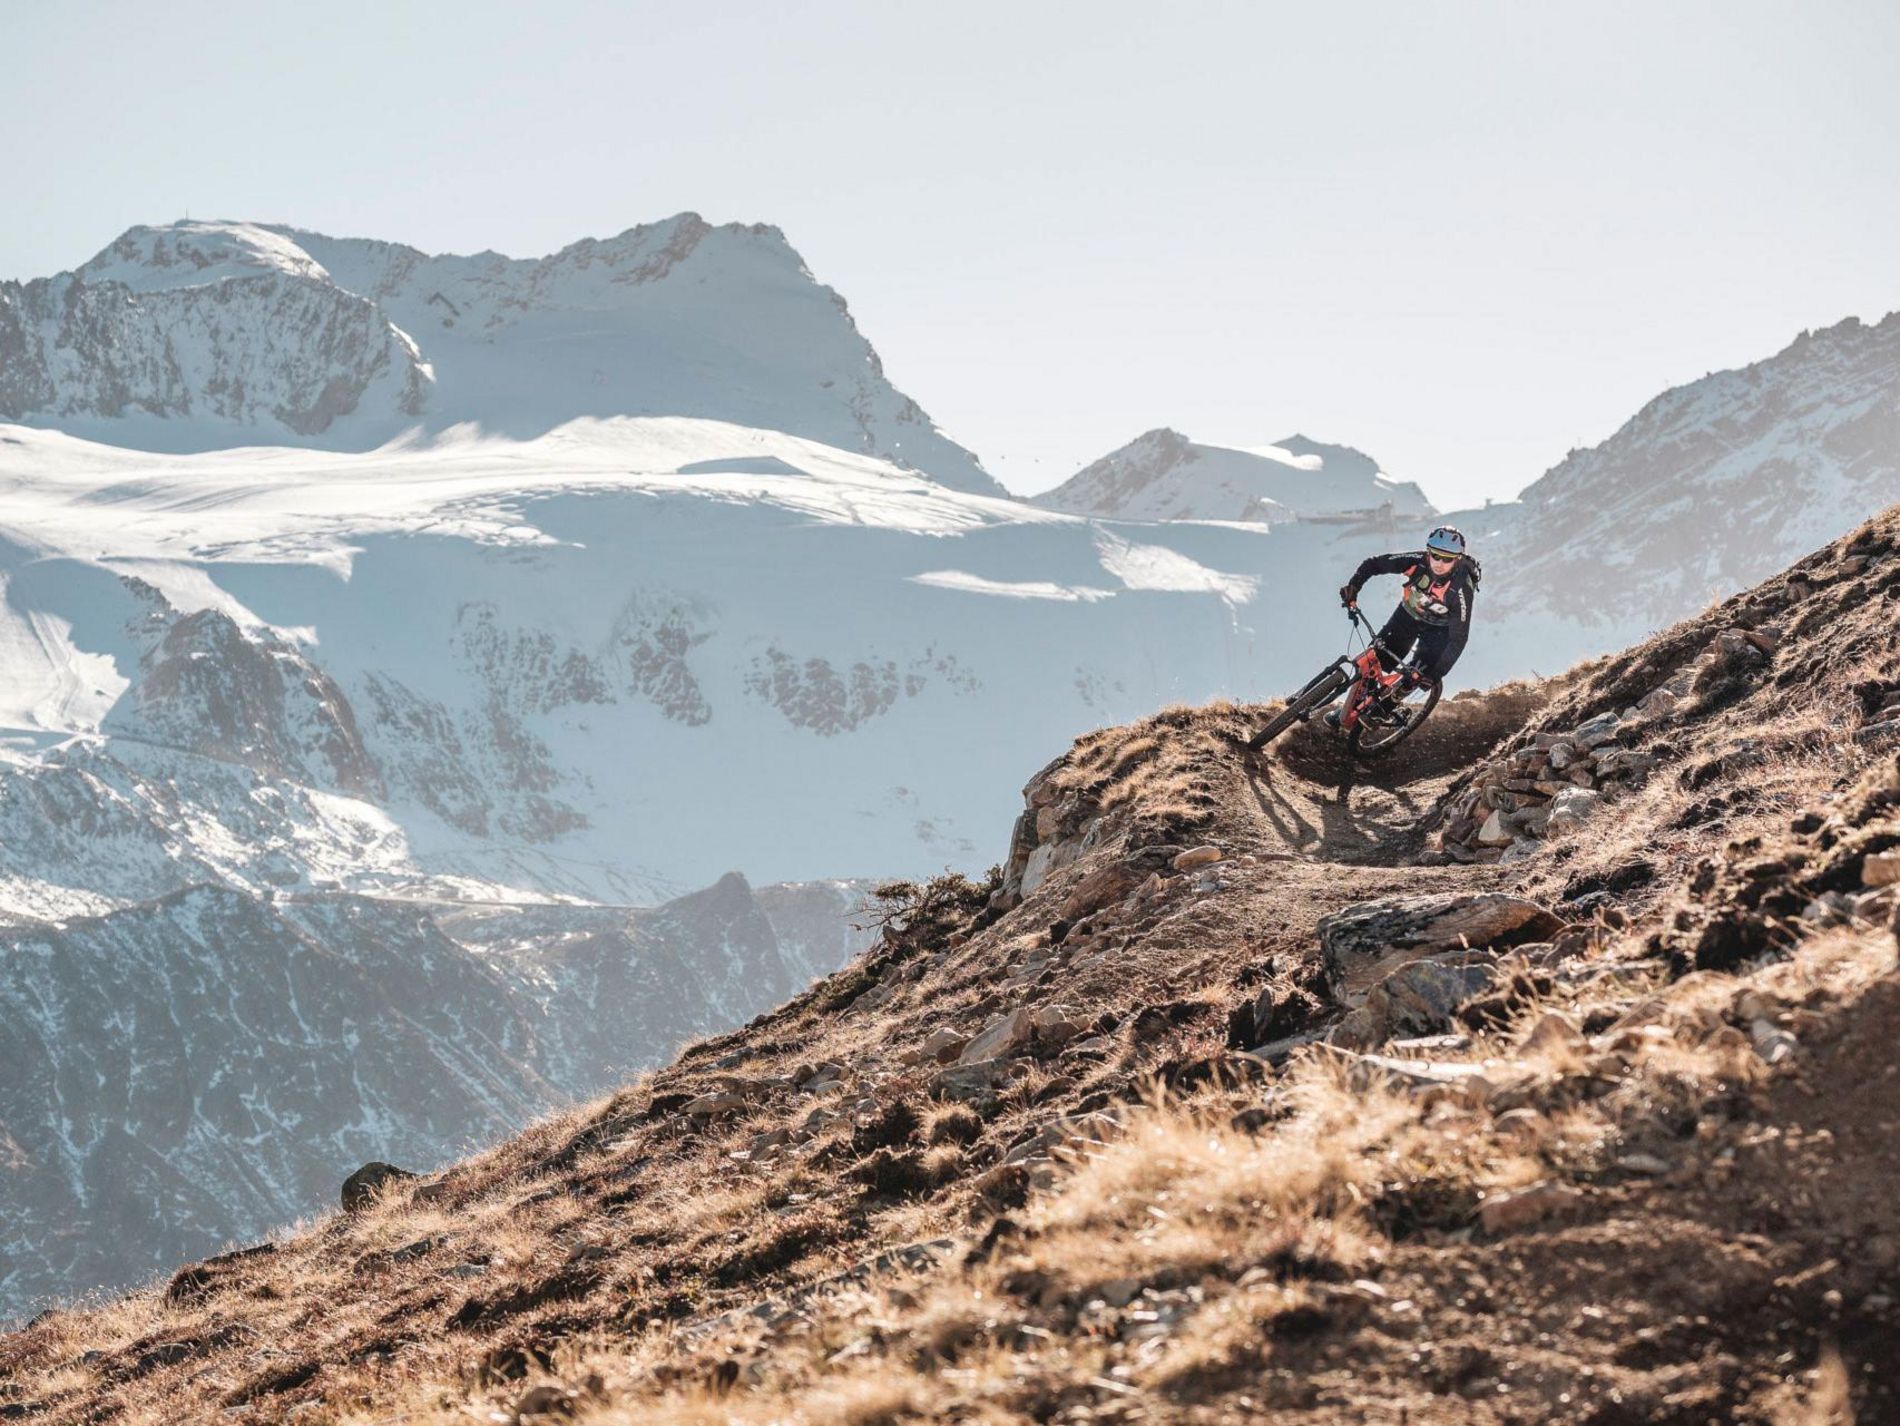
1434	610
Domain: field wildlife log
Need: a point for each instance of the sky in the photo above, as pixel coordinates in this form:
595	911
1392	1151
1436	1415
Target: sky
1463	237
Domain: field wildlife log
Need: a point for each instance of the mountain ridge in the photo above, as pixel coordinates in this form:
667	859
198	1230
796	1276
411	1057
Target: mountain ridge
197	335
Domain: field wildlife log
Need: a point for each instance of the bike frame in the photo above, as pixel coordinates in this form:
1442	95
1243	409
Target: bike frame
1371	678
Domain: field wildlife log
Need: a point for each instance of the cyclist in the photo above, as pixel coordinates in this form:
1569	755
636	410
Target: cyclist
1434	613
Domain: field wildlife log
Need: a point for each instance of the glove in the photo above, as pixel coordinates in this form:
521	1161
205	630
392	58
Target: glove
1348	596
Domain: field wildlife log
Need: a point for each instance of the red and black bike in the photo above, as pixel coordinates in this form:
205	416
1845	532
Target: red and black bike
1382	709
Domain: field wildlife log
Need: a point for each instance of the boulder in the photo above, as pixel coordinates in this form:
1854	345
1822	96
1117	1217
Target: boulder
1597	731
1101	887
1621	762
1363	943
1197	857
1880	869
943	1044
1520	1208
362	1188
1494	833
1569	810
1055	1026
1661	701
1000	1039
1424	997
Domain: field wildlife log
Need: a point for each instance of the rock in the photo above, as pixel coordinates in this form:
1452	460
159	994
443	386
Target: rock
1880	869
1000	1039
1521	850
1555	1033
943	1044
968	1081
1055	1026
1363	943
1120	1291
1771	1042
1879	735
1367	1070
1424	998
706	1106
1101	887
1569	810
1622	762
1597	731
1494	833
1197	857
1646	1164
1523	1207
362	1188
1563	756
1657	703
1767	638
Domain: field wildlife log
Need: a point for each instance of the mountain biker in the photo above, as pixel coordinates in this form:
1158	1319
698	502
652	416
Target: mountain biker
1434	612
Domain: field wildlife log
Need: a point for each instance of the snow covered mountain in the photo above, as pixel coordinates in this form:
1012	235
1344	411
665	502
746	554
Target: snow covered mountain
1710	488
1162	475
201	335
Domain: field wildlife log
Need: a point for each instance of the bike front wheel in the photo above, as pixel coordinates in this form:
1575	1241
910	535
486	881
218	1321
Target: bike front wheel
1375	740
1321	690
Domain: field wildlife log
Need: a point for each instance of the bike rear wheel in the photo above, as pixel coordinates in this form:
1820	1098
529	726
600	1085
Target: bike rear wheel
1371	741
1323	689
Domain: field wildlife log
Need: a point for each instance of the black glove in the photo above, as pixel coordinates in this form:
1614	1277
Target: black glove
1348	596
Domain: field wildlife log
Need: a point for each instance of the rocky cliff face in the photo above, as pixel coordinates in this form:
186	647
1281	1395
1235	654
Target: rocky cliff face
193	336
211	327
203	1066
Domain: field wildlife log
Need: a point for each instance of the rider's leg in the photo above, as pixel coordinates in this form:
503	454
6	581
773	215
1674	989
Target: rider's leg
1395	640
1431	660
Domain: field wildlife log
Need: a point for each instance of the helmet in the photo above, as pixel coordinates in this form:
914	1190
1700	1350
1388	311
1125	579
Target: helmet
1447	541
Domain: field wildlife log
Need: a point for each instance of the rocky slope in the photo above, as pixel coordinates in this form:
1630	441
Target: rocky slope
196	335
1228	1098
1162	475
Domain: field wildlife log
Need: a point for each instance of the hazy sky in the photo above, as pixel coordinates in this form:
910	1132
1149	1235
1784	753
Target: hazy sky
1462	237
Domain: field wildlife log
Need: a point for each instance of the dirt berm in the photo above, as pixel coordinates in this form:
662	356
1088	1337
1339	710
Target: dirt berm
1545	1072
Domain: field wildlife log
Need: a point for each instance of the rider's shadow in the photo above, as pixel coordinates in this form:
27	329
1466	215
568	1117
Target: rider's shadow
1341	829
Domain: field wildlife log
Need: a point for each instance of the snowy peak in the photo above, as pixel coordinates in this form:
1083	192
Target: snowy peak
1163	475
201	335
188	254
1777	457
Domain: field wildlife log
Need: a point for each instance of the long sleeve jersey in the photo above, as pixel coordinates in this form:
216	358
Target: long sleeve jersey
1431	601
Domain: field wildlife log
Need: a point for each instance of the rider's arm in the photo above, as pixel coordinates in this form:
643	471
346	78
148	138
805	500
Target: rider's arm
1380	564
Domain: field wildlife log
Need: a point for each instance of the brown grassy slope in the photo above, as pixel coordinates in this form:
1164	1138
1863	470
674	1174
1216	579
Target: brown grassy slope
1317	1241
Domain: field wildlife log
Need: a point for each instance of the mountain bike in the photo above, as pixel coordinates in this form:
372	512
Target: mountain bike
1382	709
